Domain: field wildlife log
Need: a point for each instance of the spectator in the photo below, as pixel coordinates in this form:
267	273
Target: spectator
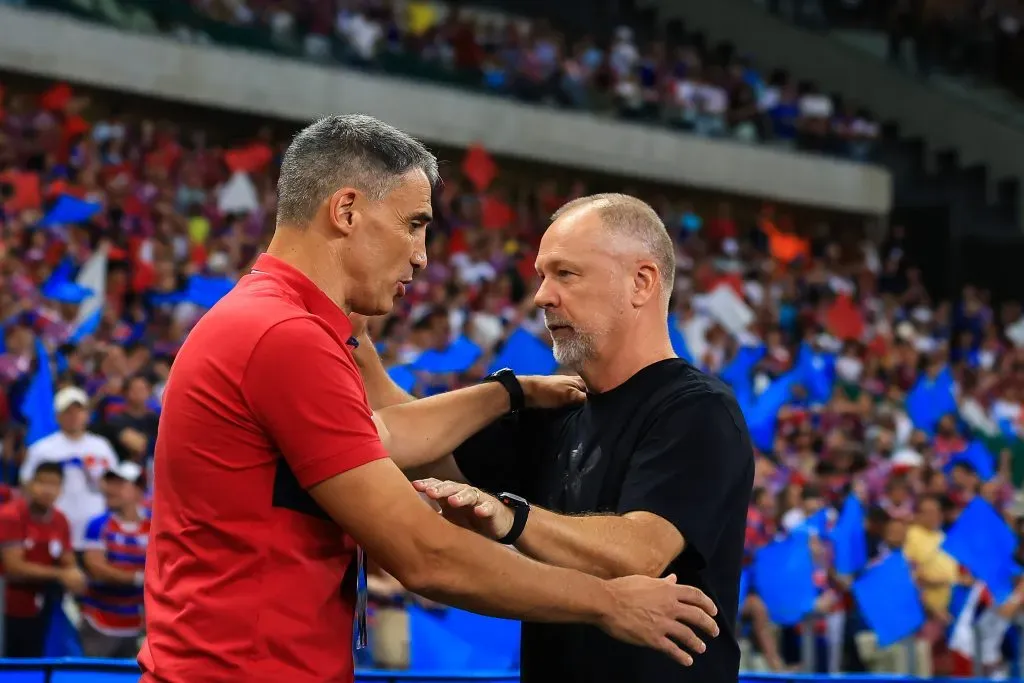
132	430
35	545
115	558
83	456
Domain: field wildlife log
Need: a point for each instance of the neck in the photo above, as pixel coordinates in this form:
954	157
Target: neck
129	513
37	510
74	435
304	251
645	345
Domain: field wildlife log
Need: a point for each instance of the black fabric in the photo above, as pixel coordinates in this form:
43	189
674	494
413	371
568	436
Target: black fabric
289	494
25	637
672	441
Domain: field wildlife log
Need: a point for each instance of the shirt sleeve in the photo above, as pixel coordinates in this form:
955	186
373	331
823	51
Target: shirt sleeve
306	392
694	464
93	534
12	529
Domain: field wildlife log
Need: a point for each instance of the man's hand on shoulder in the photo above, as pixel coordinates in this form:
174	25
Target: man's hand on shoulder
468	507
552	391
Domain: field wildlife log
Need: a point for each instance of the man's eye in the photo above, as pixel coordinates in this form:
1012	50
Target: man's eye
565	273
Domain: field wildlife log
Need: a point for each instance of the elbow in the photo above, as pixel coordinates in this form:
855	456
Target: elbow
429	570
635	564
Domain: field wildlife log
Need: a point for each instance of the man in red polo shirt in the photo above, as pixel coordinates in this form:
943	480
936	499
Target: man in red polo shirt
35	546
270	467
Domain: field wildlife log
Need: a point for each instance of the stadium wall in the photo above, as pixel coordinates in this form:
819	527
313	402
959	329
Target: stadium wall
54	46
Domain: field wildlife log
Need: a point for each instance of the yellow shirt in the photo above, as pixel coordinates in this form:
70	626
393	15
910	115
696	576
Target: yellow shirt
922	549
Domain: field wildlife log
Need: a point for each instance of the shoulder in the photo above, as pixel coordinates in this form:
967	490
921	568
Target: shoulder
46	445
679	386
96	525
13	511
299	340
100	444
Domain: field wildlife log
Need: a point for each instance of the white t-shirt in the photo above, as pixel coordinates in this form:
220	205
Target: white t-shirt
85	461
816	106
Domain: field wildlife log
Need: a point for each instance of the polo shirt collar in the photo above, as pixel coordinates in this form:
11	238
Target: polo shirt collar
313	298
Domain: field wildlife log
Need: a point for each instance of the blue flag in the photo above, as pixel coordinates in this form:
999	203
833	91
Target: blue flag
889	600
66	292
61	636
70	209
930	399
87	327
818	373
525	354
744	587
783	576
981	541
37	406
403	377
64	272
978	458
764	413
459	356
678	340
206	291
737	373
849	540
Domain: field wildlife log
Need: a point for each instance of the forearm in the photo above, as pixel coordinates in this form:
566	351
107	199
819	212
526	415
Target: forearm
426	430
30	571
381	391
104	571
478	575
595	544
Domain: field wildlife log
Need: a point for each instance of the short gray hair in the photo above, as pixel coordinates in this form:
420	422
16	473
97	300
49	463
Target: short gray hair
622	214
350	150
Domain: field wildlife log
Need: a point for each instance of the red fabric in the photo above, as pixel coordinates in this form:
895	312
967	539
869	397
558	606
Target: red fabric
57	98
479	167
250	159
497	215
27	190
844	319
44	538
237	577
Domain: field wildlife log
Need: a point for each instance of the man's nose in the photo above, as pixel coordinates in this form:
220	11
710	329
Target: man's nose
419	259
545	296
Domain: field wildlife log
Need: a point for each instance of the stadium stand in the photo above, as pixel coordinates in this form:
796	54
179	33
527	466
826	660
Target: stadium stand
882	390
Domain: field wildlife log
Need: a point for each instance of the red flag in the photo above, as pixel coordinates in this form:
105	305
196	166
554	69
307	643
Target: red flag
479	167
497	215
57	97
844	320
249	159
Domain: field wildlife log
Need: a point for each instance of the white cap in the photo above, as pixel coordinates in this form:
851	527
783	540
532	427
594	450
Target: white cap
69	396
127	470
907	457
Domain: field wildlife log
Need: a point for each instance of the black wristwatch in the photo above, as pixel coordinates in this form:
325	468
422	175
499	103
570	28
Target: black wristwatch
507	378
522	510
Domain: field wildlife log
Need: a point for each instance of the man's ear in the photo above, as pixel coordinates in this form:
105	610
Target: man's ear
342	210
645	283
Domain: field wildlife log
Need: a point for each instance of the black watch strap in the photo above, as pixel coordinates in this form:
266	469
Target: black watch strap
522	512
507	378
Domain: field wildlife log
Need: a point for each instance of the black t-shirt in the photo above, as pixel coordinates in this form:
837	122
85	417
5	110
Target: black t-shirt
671	441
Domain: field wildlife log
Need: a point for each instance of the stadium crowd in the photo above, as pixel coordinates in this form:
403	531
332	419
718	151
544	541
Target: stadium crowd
677	80
168	211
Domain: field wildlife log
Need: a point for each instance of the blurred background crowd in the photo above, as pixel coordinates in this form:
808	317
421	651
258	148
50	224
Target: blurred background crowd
882	386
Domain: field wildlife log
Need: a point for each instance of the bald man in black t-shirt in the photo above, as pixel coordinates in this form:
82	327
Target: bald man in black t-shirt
652	475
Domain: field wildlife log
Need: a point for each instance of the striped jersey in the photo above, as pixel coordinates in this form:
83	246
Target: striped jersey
116	608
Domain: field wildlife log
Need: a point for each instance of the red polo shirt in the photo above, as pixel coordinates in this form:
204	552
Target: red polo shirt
45	538
246	577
